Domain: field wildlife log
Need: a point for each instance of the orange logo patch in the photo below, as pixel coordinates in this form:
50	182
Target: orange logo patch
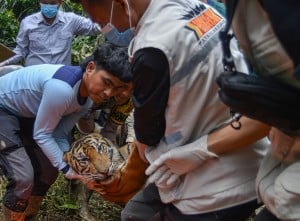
204	22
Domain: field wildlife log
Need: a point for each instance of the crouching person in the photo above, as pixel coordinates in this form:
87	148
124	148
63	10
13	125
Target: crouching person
39	106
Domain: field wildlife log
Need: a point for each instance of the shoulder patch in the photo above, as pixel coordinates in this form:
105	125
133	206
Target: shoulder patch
69	74
205	22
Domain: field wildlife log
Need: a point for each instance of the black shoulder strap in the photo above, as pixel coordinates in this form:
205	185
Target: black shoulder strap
226	37
230	8
227	60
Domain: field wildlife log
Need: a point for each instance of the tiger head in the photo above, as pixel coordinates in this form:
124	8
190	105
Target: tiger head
95	156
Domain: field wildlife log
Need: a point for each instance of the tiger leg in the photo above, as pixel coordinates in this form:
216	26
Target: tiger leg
83	197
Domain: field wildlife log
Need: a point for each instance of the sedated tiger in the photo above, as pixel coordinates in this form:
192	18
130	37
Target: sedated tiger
96	156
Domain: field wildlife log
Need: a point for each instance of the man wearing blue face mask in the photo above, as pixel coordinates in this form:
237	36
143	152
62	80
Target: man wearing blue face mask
46	36
112	34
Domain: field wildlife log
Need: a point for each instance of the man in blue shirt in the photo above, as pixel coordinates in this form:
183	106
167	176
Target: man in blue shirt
46	36
51	98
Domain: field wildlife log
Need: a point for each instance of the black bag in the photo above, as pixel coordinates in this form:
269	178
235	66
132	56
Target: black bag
262	98
266	100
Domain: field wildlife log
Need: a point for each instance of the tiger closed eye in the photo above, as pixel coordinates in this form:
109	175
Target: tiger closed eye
90	143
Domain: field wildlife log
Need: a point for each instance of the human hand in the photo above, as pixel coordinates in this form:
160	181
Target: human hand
103	187
72	175
3	63
141	149
125	182
285	148
163	177
178	161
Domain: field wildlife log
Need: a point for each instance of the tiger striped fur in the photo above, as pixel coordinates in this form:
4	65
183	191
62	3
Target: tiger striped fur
96	156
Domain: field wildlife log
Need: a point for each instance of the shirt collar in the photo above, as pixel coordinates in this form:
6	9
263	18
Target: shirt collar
59	17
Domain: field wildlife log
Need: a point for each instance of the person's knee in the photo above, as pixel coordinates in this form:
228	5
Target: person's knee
20	173
26	180
129	213
18	191
22	185
149	204
126	215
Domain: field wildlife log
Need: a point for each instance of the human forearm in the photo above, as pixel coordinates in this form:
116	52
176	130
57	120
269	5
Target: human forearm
166	170
13	60
228	139
130	131
85	26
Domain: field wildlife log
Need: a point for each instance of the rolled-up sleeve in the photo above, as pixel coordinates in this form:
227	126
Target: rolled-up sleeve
85	26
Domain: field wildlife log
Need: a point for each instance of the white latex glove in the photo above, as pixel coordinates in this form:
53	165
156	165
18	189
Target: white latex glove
166	170
164	178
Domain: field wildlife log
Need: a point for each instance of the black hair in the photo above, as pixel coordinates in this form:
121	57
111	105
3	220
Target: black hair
111	58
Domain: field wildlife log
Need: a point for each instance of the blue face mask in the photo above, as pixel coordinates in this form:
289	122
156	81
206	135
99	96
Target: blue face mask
49	11
113	35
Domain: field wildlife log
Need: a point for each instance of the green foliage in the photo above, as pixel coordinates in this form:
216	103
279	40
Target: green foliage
20	8
9	27
69	6
83	46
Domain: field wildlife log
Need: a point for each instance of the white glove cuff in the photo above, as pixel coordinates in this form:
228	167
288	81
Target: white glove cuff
202	143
